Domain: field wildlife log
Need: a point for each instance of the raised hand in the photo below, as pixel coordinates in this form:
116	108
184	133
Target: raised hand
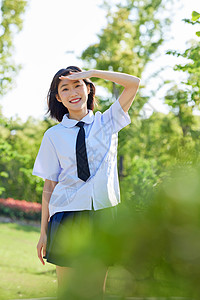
77	75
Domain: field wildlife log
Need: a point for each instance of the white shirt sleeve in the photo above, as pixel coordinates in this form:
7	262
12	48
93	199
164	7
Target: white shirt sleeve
115	118
47	165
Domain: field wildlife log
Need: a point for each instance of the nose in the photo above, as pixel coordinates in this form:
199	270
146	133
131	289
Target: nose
73	92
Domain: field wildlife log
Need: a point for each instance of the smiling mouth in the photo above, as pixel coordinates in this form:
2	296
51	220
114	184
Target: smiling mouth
75	100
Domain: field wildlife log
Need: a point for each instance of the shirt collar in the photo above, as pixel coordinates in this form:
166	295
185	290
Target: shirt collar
88	119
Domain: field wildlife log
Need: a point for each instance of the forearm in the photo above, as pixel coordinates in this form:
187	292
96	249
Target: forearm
45	212
46	195
126	80
129	82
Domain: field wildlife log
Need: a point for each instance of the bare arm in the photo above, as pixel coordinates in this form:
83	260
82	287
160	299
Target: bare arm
129	82
48	188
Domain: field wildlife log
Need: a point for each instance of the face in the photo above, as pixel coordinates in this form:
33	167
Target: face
73	94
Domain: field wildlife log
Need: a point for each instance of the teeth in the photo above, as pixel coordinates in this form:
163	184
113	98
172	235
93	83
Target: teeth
75	100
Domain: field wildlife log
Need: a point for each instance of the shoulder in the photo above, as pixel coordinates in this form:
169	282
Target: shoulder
108	111
99	113
52	131
111	105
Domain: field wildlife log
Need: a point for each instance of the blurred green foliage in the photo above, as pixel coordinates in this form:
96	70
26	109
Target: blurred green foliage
19	144
184	100
11	22
159	245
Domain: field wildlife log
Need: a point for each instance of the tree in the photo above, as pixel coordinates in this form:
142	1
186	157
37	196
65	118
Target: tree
178	100
184	101
134	31
11	23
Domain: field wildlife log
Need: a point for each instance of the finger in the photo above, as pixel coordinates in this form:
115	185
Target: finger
39	255
44	250
71	77
62	77
39	252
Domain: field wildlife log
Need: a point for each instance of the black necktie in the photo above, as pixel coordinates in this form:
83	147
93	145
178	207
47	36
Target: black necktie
81	154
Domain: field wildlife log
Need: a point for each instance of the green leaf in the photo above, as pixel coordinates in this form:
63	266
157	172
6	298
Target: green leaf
4	174
198	33
195	16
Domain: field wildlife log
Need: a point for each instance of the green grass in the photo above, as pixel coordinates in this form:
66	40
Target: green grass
22	274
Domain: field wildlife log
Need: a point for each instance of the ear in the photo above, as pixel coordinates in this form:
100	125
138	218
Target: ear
88	89
58	98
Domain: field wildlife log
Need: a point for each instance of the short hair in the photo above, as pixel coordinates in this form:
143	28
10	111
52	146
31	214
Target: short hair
56	109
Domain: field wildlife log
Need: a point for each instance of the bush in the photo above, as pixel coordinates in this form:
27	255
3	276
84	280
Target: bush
20	209
159	246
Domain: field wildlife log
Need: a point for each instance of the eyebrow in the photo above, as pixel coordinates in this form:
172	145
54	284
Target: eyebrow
65	84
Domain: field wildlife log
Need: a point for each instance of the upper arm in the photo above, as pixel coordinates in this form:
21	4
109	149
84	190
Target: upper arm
47	164
49	185
115	118
127	96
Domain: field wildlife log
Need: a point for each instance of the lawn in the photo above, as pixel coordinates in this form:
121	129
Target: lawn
23	275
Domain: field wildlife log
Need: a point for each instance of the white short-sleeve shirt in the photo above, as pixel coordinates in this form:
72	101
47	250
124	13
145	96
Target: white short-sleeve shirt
56	160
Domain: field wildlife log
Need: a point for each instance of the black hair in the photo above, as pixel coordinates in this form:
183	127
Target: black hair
56	109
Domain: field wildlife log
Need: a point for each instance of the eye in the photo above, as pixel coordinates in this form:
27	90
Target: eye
65	89
78	85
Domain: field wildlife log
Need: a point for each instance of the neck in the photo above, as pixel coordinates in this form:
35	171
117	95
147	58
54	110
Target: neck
78	115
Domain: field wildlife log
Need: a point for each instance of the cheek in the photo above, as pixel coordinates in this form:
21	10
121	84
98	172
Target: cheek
84	90
63	94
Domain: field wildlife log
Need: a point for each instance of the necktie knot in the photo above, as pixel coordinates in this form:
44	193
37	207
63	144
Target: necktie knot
80	124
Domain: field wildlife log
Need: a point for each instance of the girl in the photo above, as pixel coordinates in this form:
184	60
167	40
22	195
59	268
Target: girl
78	156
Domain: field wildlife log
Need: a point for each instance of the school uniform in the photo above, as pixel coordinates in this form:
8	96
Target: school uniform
56	160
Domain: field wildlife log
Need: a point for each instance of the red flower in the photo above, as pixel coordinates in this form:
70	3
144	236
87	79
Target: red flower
22	205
